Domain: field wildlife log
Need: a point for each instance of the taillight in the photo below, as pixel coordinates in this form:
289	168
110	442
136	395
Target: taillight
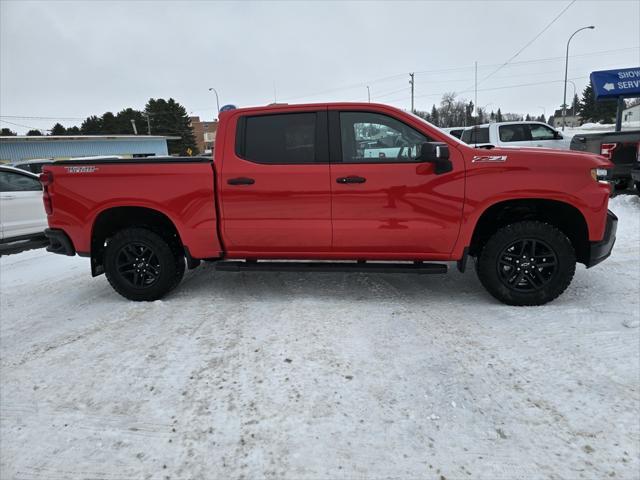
607	149
46	179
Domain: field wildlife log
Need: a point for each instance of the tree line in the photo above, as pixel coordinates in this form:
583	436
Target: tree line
159	117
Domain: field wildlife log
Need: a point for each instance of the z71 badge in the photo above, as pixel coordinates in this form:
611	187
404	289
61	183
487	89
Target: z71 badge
83	169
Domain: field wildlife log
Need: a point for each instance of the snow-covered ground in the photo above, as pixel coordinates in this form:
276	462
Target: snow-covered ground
312	376
569	132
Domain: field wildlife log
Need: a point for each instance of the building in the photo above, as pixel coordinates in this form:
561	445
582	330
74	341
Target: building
61	147
571	119
205	133
631	114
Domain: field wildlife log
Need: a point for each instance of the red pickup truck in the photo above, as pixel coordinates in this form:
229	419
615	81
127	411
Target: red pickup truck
336	187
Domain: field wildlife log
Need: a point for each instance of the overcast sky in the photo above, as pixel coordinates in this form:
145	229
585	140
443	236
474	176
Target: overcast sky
77	58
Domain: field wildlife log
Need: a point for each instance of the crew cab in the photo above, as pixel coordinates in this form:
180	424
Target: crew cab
354	187
515	134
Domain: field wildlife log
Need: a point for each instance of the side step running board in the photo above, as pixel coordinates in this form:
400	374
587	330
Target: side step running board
374	267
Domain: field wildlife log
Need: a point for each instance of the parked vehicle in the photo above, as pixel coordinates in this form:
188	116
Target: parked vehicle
22	216
635	173
515	134
360	186
456	131
34	166
622	148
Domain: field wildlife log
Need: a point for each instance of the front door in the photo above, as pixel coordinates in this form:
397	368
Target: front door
275	190
386	202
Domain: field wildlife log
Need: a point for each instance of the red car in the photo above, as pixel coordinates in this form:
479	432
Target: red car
336	187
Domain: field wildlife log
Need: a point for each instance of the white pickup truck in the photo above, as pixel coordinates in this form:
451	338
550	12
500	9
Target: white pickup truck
22	216
515	134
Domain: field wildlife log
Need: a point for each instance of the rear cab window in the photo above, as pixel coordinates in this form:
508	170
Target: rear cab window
476	135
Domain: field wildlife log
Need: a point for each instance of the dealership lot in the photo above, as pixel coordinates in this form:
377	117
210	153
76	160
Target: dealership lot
320	375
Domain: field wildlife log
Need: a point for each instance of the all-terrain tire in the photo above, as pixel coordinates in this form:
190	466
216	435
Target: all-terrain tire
147	277
548	274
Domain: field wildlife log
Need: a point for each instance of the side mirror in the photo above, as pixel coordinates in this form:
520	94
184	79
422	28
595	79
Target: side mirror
438	154
557	136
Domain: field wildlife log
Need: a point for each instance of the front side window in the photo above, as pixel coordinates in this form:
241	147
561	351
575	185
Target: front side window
283	138
514	133
540	132
372	137
14	182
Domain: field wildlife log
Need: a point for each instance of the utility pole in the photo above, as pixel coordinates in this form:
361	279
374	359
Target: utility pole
133	124
475	101
412	82
368	94
148	123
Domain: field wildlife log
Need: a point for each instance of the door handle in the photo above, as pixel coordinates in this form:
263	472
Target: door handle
351	179
241	181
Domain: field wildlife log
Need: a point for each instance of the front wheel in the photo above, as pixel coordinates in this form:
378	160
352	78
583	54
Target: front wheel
141	265
527	263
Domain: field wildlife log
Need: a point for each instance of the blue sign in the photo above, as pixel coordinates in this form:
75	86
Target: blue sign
226	108
624	82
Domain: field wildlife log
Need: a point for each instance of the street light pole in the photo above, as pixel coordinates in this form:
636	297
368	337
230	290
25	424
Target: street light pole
217	101
566	70
368	94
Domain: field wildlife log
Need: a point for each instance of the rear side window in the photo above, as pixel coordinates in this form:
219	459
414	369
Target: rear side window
476	135
14	182
285	138
514	133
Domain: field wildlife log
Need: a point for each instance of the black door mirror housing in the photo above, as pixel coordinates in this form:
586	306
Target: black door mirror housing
438	154
557	135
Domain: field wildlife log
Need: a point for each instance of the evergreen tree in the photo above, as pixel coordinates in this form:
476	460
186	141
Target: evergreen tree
73	131
58	129
435	116
528	118
499	116
170	118
5	132
34	133
575	105
593	111
110	125
92	126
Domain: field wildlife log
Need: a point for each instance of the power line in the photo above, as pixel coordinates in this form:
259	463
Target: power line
529	42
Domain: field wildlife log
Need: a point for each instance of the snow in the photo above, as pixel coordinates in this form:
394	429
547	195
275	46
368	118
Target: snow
569	132
309	376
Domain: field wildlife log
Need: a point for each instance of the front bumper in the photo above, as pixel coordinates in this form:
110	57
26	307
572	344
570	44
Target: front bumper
599	251
59	242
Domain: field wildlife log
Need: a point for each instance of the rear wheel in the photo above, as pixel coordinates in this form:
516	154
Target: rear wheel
142	265
527	263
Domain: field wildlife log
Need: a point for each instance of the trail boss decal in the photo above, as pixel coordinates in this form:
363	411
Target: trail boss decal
84	169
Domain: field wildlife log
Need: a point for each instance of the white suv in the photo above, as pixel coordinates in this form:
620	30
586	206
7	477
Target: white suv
22	216
515	134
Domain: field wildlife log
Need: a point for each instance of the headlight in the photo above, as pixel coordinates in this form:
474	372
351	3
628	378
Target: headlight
599	174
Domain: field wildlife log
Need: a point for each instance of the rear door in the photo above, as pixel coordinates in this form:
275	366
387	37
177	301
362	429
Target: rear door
387	203
21	208
275	191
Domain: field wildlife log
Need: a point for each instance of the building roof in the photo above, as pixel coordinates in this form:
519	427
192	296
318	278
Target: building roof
41	138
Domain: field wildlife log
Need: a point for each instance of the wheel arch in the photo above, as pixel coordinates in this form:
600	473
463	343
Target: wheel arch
564	216
114	219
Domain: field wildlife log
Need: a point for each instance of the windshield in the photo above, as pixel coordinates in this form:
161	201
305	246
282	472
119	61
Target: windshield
454	139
